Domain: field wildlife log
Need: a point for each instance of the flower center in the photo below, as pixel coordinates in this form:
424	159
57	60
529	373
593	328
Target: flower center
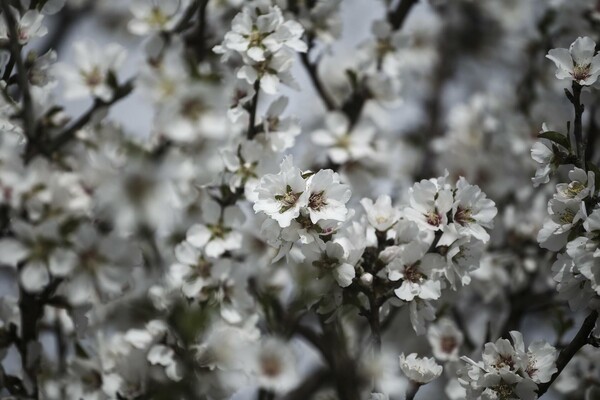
448	344
531	368
433	218
581	72
288	199
343	141
273	123
384	46
574	189
326	263
505	391
316	201
463	216
566	217
504	361
412	274
94	77
271	366
255	38
22	34
193	109
218	231
157	18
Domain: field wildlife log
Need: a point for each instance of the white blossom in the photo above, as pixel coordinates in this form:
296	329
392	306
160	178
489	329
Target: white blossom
283	195
344	143
327	197
275	365
381	214
578	63
420	370
29	26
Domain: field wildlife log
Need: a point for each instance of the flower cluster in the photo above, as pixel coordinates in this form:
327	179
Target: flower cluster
176	223
301	206
437	241
573	224
508	371
266	42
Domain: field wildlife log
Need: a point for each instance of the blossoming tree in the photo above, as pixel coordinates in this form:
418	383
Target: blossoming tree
297	222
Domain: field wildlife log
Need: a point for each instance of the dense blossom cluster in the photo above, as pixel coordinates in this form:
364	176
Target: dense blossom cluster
574	216
277	218
508	371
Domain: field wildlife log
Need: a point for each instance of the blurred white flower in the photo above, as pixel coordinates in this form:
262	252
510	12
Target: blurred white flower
155	15
94	70
29	26
345	143
445	339
275	365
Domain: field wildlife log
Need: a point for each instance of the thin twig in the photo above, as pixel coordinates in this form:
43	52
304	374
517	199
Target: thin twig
591	137
412	391
396	17
312	70
253	106
8	68
201	31
184	22
264	394
310	385
69	133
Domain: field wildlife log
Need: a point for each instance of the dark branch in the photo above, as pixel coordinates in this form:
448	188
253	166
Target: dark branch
69	133
412	391
396	17
253	106
310	385
580	340
312	70
64	21
575	99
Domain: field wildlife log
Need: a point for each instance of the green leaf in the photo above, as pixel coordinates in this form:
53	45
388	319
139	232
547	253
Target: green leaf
557	138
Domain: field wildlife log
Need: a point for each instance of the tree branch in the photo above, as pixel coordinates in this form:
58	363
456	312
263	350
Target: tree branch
310	385
396	17
575	99
580	340
375	323
69	133
312	70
